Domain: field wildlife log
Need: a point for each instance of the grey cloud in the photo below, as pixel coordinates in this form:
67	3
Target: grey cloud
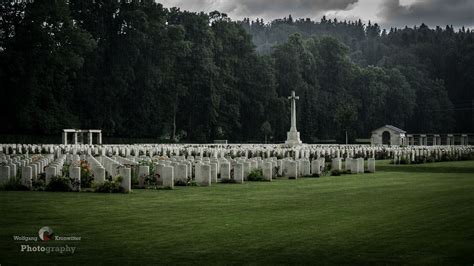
267	9
431	12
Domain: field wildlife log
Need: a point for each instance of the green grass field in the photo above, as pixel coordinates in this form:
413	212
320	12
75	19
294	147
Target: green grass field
415	214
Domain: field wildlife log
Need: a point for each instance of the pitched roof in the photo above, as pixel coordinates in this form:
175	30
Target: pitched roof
396	129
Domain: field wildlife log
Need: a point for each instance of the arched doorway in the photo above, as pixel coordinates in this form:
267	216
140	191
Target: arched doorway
386	138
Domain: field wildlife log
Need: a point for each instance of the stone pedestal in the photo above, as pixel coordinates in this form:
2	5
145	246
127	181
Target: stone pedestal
293	138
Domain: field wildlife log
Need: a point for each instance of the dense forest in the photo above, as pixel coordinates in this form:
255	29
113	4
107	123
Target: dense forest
138	70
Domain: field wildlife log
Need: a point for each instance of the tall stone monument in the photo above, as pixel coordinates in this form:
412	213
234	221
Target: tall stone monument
293	136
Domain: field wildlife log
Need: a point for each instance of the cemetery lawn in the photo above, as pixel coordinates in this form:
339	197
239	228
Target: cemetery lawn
415	214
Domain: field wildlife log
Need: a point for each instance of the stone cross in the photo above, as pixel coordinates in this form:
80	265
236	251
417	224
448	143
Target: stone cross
293	99
293	136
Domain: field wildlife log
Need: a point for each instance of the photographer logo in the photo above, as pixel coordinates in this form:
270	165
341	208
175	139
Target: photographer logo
45	233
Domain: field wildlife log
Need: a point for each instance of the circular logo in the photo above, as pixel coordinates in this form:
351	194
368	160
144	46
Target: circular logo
46	233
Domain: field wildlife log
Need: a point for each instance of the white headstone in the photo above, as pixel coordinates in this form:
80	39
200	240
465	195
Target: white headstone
126	174
99	174
239	173
181	173
26	176
143	173
267	171
168	176
291	169
371	165
4	174
213	172
336	164
225	171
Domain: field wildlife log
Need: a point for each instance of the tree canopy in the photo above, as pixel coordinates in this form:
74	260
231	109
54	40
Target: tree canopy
137	69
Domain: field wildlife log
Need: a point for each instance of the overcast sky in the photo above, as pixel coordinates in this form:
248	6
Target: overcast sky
388	13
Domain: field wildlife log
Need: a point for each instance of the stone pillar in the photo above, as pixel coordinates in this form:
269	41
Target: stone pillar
99	138
449	139
65	138
89	137
293	136
423	140
75	137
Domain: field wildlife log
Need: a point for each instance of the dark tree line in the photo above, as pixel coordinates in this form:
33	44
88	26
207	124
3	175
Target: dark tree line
434	69
143	71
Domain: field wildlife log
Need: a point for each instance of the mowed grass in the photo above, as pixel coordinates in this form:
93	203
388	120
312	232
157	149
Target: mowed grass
415	214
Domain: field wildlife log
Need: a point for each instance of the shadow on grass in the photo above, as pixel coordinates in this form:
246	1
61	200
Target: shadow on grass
423	168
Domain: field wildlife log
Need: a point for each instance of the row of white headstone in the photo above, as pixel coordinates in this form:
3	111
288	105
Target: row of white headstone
168	171
240	150
28	167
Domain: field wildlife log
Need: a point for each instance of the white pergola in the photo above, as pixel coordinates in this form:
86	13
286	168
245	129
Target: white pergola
80	132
